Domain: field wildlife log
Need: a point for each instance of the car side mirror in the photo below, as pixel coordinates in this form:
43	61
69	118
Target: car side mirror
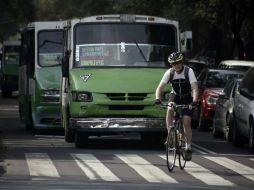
223	95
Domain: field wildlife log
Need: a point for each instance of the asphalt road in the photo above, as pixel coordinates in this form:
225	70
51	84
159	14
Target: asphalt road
42	160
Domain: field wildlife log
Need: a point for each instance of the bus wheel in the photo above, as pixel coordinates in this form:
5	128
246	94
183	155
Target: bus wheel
81	139
69	135
29	124
6	92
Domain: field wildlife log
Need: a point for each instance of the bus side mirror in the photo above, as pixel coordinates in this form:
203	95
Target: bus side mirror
65	64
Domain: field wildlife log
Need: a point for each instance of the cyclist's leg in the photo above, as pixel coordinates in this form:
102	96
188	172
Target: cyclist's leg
188	135
169	117
187	128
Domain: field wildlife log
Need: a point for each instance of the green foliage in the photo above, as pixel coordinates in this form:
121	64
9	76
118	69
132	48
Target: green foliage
222	18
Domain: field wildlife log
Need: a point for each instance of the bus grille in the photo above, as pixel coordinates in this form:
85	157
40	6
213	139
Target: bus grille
126	96
126	107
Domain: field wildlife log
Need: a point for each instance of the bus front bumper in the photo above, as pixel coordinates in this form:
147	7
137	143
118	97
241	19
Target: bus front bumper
118	124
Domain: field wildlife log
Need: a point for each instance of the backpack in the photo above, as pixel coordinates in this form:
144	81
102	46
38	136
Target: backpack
186	74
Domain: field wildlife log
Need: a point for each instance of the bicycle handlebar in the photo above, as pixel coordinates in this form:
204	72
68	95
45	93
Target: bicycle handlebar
182	106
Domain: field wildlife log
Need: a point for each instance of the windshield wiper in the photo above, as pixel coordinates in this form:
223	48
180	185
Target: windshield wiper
140	51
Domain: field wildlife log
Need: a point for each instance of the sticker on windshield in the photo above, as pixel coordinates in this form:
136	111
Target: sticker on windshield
91	56
77	53
122	47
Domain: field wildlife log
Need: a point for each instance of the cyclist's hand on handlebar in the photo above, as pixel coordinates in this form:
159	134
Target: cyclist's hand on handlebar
171	104
157	102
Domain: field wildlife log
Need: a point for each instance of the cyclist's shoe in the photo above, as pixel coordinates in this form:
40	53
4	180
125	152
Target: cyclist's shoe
188	154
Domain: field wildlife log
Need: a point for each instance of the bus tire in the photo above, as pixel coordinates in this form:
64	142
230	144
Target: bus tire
81	140
6	92
69	135
29	124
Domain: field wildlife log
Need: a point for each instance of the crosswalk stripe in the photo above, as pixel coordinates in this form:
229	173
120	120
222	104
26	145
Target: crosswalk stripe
203	174
239	168
144	168
39	164
93	168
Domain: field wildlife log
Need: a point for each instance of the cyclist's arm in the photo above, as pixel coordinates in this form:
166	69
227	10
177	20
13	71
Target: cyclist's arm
162	84
159	90
195	93
194	85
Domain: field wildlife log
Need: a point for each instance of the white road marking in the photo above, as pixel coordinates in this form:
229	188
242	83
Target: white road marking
202	150
39	164
93	168
144	168
239	168
203	174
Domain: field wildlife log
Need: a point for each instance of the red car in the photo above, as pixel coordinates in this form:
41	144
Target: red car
211	83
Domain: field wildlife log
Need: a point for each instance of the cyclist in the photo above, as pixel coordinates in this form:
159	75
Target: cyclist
184	91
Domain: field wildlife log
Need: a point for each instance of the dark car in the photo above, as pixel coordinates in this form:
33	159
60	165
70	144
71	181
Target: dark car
223	113
196	65
211	83
243	124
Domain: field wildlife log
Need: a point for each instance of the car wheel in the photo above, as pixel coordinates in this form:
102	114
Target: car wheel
216	134
237	138
251	137
229	122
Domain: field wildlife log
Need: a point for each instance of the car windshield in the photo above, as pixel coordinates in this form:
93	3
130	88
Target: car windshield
219	79
124	45
11	55
50	48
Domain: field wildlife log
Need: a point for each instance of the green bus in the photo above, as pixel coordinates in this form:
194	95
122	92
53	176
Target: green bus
40	74
112	65
9	67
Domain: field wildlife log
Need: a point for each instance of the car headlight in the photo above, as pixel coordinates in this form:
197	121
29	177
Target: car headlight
82	96
211	100
50	96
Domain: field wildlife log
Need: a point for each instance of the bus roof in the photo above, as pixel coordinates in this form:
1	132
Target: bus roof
125	18
44	25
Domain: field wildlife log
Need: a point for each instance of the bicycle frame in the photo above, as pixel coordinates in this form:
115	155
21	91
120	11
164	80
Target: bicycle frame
176	139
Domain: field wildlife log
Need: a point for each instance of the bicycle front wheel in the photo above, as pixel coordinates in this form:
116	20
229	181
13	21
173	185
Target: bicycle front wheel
182	161
171	147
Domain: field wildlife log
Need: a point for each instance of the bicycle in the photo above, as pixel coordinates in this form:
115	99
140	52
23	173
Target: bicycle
176	140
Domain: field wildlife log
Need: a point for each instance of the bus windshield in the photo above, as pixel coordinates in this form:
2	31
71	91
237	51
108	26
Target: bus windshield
124	45
50	48
11	55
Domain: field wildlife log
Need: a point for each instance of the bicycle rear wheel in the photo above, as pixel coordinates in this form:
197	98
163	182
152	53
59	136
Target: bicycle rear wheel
171	147
182	161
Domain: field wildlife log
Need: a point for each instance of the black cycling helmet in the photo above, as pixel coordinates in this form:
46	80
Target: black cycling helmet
175	57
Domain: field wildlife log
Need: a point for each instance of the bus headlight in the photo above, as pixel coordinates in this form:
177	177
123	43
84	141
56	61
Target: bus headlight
82	96
50	96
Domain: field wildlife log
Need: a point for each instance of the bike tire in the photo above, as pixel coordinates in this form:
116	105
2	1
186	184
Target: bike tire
182	161
171	148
